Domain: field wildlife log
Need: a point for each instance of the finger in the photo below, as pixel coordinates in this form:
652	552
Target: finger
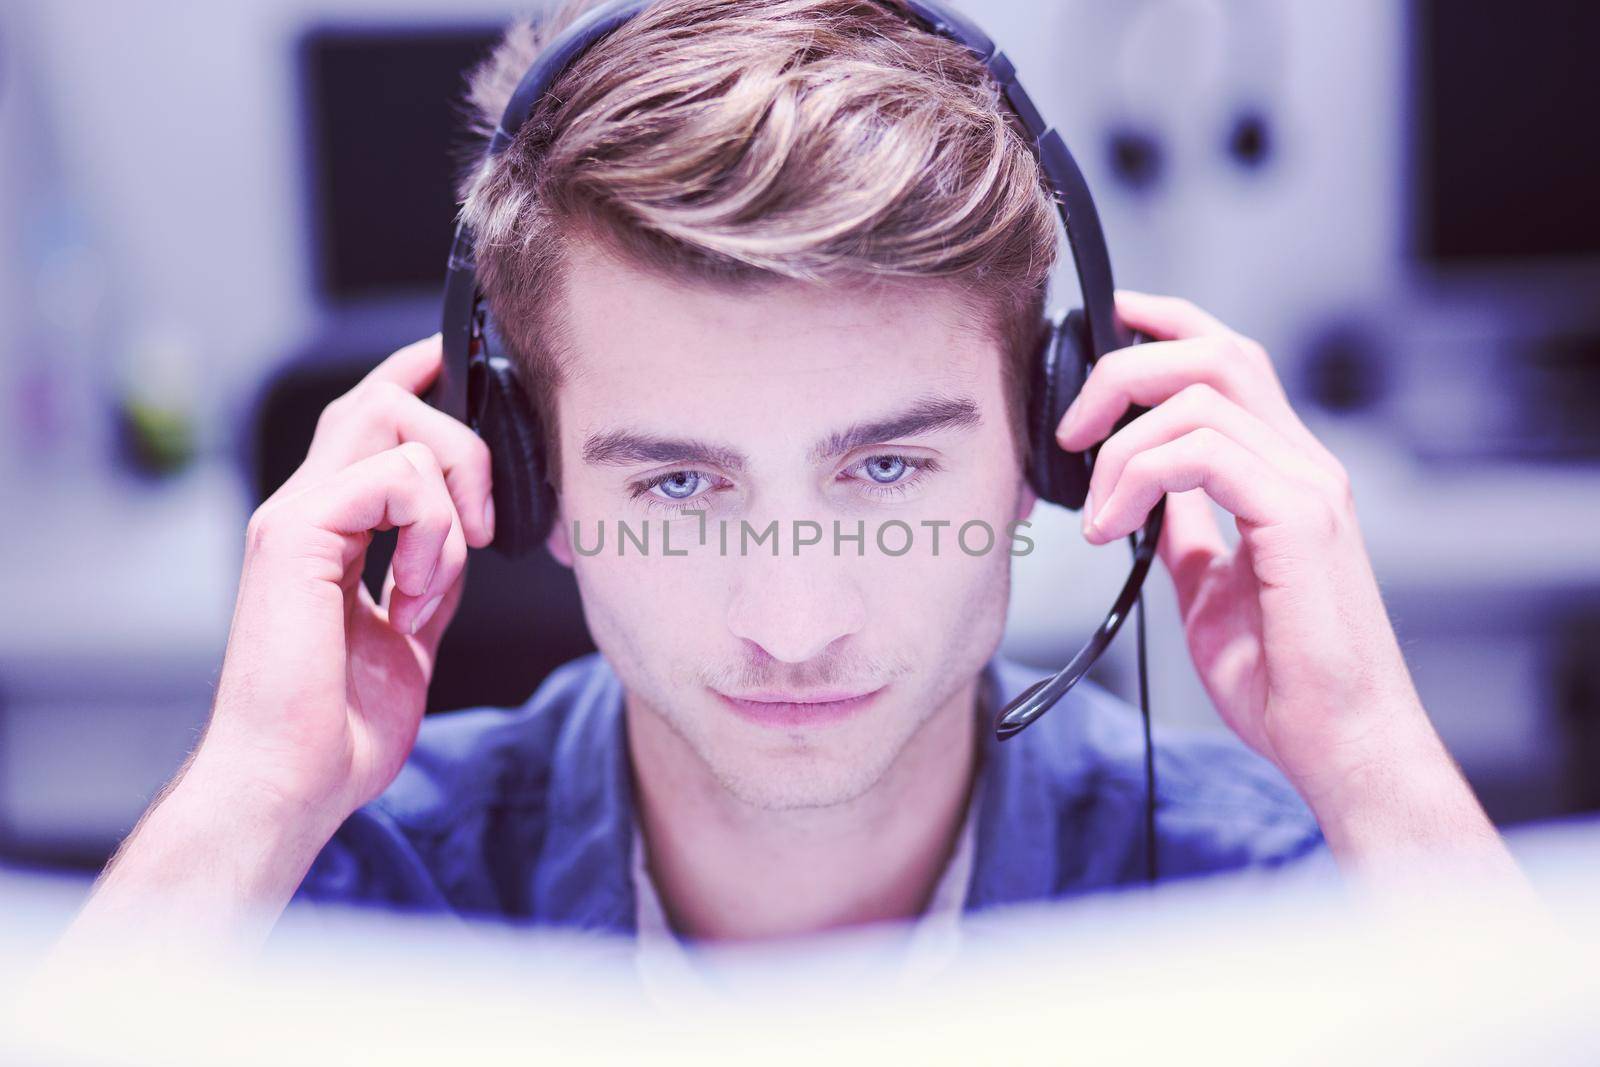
425	564
464	458
1150	373
377	416
406	372
413	367
400	488
412	613
1173	318
1190	543
1242	482
412	608
1194	407
1165	317
430	628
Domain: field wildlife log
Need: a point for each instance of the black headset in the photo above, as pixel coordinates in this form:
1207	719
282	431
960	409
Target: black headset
479	386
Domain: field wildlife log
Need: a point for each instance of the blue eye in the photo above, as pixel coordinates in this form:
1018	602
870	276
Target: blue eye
886	475
891	476
885	470
679	485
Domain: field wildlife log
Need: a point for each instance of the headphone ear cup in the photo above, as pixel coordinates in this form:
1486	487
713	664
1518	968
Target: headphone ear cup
524	503
1057	476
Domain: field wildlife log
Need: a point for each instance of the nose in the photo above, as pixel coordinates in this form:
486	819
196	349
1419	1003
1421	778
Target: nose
794	608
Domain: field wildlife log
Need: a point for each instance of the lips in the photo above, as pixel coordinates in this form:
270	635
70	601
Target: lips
776	708
778	696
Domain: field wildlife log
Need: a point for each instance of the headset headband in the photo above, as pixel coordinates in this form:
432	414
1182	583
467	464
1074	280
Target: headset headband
1073	202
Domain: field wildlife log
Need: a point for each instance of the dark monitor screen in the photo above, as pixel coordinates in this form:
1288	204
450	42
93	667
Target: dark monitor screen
386	136
1508	146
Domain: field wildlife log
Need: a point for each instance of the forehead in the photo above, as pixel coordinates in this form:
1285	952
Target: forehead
636	341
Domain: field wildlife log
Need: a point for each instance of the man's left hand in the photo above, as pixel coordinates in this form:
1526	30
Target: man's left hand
1287	629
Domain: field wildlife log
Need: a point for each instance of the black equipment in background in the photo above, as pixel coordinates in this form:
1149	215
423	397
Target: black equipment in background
384	143
1508	160
1503	164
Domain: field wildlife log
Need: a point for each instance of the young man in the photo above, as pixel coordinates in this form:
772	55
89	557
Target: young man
784	261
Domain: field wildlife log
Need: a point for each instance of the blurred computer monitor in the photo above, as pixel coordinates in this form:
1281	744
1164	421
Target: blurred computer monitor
385	141
1504	162
1505	135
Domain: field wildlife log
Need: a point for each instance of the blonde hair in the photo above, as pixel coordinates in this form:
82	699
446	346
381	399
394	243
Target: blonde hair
742	141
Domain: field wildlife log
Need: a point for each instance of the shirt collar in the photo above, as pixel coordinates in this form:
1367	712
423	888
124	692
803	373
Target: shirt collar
582	877
1015	856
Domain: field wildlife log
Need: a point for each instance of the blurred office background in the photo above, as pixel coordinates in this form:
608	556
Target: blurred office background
214	217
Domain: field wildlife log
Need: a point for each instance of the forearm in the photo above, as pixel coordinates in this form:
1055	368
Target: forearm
210	867
1403	817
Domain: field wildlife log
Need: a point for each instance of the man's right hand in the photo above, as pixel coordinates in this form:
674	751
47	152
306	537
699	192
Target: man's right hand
322	688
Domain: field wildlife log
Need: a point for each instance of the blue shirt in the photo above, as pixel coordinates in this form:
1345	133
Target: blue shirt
526	814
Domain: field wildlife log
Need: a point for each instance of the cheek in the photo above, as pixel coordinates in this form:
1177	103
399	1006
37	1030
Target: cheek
923	595
958	592
659	609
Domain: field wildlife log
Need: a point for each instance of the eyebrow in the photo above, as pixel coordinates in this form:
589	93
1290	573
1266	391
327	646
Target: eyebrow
927	415
622	448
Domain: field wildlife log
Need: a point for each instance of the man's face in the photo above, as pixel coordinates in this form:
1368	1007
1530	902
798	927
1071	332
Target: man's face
796	679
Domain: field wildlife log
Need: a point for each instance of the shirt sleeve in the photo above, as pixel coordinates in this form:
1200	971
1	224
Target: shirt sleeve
371	861
1223	807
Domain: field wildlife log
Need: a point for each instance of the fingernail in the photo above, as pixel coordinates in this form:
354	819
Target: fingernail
1088	513
426	613
427	583
488	516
